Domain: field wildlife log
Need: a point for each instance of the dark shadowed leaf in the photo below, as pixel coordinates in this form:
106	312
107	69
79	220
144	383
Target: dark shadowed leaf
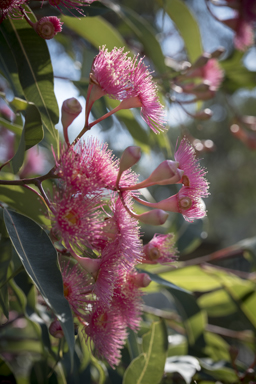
5	258
39	258
34	69
32	134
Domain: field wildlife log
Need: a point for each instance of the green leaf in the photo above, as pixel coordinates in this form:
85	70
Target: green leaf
8	67
186	25
217	303
191	237
148	368
96	30
32	134
39	258
145	34
23	200
17	129
5	258
194	319
34	68
132	344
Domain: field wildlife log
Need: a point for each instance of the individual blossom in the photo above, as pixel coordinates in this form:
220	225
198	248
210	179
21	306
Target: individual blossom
10	8
77	286
193	173
127	299
110	74
244	35
211	74
105	328
75	219
144	95
90	167
47	27
70	4
160	249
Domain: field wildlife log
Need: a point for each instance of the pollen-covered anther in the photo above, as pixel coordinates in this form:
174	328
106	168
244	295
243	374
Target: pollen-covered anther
185	181
72	217
185	203
153	253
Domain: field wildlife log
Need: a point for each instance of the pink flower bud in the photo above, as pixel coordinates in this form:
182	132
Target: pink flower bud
165	171
217	53
130	156
154	217
201	61
206	114
71	108
90	265
141	280
55	329
47	27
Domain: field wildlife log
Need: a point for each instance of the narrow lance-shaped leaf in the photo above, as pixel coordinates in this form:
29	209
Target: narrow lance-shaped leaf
34	69
5	258
39	258
186	25
194	319
32	134
148	368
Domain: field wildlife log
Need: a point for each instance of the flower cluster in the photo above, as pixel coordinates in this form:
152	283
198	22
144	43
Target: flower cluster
92	211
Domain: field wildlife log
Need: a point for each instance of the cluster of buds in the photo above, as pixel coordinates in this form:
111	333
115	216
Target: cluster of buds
46	27
200	79
242	21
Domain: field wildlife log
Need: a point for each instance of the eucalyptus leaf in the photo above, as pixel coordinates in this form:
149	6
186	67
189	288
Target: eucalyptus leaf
187	26
148	367
32	134
34	69
5	258
96	30
39	258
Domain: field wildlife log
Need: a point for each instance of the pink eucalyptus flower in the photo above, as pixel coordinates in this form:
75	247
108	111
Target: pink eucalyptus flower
10	8
70	4
77	286
107	331
190	204
75	220
110	73
193	175
127	300
244	35
47	27
160	249
144	95
213	74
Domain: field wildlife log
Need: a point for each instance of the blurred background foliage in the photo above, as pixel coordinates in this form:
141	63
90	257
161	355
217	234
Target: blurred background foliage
200	312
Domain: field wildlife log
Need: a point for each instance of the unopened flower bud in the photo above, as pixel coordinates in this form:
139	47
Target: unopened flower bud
47	27
70	109
56	330
141	280
154	217
130	156
166	173
90	265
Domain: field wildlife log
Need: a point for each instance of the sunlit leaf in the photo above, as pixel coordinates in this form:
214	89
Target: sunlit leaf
96	30
148	367
186	24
